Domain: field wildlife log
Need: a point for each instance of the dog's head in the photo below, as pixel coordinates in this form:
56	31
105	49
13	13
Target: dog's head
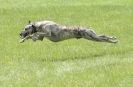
29	29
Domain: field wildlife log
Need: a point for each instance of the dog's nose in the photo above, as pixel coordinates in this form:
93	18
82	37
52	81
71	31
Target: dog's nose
20	34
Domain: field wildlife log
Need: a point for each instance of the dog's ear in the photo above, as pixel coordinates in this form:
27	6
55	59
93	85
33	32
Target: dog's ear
29	21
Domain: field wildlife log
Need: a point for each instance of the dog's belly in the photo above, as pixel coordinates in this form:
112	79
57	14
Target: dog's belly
54	38
60	36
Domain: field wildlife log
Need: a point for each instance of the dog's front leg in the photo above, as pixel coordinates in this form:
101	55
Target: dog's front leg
44	34
27	37
34	36
38	36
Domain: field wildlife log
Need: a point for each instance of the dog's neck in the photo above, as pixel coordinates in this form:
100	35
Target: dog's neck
34	29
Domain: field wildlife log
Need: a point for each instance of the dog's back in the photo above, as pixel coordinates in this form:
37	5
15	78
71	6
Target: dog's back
37	24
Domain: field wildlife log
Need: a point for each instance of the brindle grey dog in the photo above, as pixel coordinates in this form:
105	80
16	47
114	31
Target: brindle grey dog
55	32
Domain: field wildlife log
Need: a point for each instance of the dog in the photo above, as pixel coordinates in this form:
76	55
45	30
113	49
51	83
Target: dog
56	32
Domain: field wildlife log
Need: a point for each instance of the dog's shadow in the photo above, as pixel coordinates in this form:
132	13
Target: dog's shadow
72	58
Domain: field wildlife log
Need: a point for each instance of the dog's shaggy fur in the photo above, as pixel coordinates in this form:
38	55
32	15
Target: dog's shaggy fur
56	32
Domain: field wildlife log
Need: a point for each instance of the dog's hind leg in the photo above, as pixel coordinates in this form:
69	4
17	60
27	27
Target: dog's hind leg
91	35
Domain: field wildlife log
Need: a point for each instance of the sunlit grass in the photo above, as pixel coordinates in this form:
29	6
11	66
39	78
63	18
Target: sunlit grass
70	63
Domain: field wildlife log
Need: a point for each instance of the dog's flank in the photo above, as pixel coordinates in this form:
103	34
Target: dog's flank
56	32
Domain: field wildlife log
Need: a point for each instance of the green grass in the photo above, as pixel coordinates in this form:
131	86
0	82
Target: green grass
70	63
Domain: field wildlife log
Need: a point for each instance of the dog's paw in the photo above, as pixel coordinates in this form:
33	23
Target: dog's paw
21	41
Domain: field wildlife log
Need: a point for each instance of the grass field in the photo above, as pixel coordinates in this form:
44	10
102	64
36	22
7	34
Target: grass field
70	63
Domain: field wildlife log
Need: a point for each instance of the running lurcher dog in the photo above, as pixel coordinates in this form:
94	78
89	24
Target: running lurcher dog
56	32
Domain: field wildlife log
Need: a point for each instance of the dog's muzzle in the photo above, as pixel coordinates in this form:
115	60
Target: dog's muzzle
23	34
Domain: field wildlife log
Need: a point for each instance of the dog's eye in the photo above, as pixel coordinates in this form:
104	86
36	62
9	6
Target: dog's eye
26	29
